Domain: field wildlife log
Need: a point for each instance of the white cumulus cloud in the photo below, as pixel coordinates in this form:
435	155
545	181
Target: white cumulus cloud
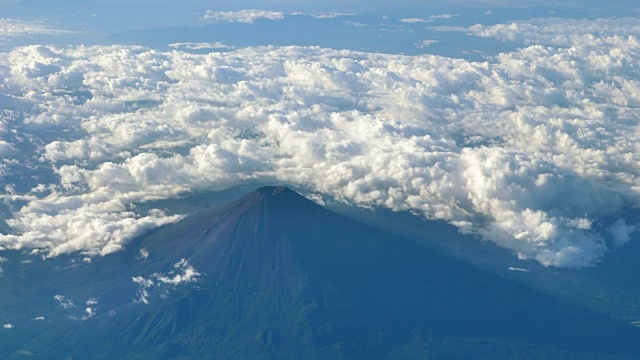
186	273
63	301
181	273
533	150
89	313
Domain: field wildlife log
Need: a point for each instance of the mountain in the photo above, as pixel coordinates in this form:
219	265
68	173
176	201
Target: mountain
273	275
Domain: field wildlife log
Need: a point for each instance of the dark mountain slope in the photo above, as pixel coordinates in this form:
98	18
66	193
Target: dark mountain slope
281	277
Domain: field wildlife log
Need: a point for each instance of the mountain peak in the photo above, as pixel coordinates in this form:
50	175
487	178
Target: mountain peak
274	190
250	227
279	196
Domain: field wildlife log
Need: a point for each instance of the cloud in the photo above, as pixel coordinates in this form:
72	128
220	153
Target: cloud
200	46
93	227
181	273
6	148
415	20
621	232
142	296
144	254
534	150
429	19
331	15
8	326
187	274
12	28
243	16
443	16
89	313
553	31
316	198
92	301
354	23
423	44
63	301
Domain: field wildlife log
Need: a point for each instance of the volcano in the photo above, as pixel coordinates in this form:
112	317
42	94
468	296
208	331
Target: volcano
273	275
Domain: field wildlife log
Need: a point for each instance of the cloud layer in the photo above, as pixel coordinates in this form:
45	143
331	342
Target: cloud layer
535	150
553	31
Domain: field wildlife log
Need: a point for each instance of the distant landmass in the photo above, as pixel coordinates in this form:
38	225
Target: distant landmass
274	275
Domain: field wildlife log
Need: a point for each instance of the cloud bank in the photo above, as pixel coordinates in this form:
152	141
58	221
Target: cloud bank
535	150
553	31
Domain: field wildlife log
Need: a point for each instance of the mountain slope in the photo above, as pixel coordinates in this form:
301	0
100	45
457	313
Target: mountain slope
275	276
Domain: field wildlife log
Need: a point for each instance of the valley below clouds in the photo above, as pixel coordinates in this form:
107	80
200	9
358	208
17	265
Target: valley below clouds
535	150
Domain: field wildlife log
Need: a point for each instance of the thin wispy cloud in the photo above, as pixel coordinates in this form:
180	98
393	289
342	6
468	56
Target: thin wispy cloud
425	43
201	46
243	16
331	15
15	28
429	19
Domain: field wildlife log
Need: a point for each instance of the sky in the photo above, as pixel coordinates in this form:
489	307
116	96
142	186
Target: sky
513	122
